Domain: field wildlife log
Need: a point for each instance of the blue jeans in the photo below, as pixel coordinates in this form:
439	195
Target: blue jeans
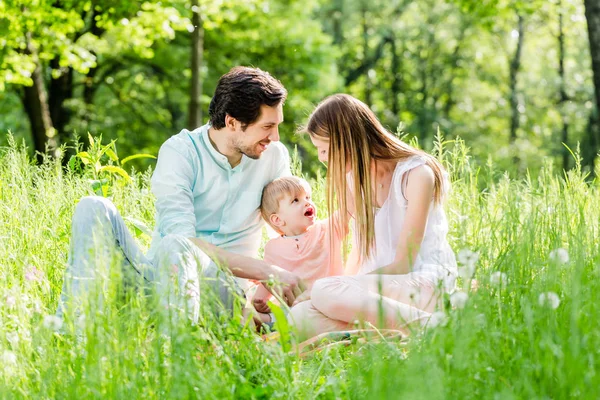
179	271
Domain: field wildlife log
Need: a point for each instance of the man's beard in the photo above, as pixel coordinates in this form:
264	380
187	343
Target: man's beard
249	151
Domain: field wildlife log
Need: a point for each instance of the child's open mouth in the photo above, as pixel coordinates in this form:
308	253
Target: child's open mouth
310	212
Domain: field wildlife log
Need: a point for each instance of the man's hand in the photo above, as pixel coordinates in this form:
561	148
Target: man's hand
285	285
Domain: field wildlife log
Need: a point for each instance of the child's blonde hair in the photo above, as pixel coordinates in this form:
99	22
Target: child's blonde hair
276	190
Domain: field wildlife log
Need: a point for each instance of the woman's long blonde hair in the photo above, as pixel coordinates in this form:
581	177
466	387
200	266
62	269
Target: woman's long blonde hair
356	138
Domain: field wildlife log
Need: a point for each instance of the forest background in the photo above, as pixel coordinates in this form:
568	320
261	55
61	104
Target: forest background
514	79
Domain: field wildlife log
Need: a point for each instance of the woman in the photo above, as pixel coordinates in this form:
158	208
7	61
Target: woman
401	261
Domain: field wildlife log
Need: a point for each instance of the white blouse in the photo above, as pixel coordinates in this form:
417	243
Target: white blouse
435	256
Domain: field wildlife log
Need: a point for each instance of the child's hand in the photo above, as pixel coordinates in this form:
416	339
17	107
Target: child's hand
261	305
303	297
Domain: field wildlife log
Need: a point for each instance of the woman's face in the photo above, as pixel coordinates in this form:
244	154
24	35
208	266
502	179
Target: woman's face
322	148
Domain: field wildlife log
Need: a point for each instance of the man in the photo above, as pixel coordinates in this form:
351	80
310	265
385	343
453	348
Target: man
208	185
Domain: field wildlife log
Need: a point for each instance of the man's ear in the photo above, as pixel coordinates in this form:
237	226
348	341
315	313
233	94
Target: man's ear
276	220
231	122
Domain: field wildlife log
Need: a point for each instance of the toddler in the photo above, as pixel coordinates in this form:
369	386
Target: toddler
304	246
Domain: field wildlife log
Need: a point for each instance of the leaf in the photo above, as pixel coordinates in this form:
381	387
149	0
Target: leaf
139	225
85	157
91	139
133	157
282	326
112	155
116	170
100	187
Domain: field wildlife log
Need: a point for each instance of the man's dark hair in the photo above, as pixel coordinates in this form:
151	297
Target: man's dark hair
241	92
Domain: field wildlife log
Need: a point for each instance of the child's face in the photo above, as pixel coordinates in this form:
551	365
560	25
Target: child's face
296	213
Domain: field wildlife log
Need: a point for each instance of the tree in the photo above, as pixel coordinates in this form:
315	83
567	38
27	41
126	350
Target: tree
592	14
197	51
49	43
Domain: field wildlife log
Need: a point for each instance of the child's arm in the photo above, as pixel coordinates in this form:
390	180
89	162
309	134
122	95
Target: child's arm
262	295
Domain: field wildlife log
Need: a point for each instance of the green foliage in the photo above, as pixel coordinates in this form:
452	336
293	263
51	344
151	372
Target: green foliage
505	342
103	175
427	65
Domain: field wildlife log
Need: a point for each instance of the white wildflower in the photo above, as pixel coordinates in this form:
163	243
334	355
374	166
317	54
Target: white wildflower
37	306
33	274
498	279
459	299
10	301
549	299
438	318
12	338
9	358
53	322
559	255
467	257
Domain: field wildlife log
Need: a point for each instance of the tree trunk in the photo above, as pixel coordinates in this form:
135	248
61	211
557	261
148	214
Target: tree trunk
35	102
563	98
396	78
338	12
59	91
592	15
454	60
515	65
365	33
197	50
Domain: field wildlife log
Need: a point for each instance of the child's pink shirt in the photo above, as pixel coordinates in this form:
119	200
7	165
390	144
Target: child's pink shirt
309	255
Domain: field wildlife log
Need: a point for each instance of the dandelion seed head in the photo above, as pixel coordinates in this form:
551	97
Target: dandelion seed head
9	358
560	255
414	294
467	257
549	299
52	322
438	318
459	299
498	279
466	271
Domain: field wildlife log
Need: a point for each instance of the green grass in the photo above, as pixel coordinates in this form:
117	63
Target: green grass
503	344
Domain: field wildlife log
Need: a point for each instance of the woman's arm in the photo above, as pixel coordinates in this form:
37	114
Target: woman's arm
419	194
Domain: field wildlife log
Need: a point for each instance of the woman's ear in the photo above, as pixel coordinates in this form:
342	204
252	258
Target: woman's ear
276	220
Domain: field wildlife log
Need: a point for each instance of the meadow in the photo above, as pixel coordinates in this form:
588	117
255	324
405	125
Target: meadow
529	330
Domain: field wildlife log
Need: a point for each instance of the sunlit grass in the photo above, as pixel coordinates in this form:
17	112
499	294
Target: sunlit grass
529	331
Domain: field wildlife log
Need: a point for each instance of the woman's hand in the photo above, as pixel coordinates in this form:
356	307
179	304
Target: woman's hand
286	285
303	297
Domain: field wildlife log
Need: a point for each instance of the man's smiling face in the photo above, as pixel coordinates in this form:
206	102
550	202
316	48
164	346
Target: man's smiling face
254	139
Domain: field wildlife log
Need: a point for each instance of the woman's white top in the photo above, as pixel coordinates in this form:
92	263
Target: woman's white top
435	257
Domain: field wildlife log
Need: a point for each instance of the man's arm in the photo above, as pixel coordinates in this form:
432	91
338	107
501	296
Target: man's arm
172	183
288	286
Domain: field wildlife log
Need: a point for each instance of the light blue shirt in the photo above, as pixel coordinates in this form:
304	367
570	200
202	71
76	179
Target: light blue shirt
198	193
